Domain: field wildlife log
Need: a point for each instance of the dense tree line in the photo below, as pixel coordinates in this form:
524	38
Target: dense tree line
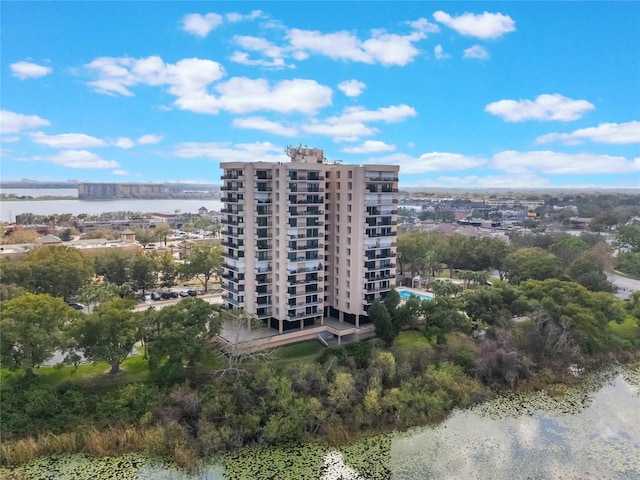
67	272
534	256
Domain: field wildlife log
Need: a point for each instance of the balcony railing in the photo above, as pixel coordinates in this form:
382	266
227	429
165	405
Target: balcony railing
378	277
378	234
229	299
233	176
231	256
379	245
304	270
381	179
229	200
308	213
379	267
232	267
299	315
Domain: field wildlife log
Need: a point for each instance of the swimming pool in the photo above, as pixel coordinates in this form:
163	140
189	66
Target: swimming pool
405	294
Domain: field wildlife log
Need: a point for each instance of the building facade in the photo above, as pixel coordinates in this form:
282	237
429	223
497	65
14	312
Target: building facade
308	240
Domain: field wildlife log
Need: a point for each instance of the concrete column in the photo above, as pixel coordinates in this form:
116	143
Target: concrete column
301	324
339	340
357	320
341	317
280	330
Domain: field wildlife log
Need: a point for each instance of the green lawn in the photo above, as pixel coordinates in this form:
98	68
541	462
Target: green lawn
303	351
627	329
410	338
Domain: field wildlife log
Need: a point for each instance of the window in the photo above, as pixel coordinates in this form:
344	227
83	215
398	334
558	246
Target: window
338	176
349	198
348	284
350	186
348	251
350	174
348	265
349	205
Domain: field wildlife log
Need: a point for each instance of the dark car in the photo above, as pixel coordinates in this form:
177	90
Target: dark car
77	306
192	292
156	296
168	295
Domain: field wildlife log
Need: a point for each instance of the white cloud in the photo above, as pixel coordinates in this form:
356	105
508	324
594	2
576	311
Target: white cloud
275	54
189	76
242	95
201	25
10	139
476	52
79	159
545	107
238	17
149	139
189	79
120	172
614	133
11	122
563	163
123	142
261	123
486	25
24	70
438	51
384	48
424	25
430	162
351	88
370	146
227	152
350	126
68	140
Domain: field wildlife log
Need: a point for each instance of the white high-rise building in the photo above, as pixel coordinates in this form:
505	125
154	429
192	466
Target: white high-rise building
307	240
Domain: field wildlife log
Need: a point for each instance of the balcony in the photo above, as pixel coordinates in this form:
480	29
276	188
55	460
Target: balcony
293	315
303	246
228	287
373	278
262	279
231	256
263	176
373	222
381	179
231	300
293	270
380	245
370	266
263	188
228	221
305	281
262	268
379	234
375	289
231	188
311	188
262	292
232	268
233	176
264	313
307	213
309	177
229	200
263	211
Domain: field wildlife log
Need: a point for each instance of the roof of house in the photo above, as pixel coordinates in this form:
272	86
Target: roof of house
49	240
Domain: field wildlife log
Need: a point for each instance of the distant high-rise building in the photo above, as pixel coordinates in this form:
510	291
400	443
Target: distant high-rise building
307	239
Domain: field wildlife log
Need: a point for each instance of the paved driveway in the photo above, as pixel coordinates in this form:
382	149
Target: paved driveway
626	286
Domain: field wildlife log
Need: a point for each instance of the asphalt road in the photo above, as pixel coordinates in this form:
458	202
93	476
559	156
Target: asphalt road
209	297
626	286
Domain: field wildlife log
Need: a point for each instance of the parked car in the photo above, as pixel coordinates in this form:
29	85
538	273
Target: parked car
184	293
156	296
192	292
77	306
169	295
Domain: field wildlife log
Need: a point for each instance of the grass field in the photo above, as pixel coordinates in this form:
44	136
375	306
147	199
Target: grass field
627	329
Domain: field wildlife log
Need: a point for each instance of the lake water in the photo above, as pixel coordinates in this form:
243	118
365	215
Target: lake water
592	433
9	210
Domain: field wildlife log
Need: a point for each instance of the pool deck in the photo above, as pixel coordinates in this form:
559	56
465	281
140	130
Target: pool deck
416	292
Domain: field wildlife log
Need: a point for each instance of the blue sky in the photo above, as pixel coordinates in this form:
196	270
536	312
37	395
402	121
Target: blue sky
469	95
